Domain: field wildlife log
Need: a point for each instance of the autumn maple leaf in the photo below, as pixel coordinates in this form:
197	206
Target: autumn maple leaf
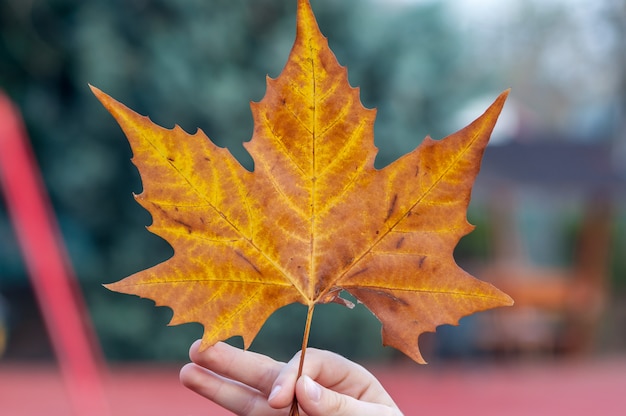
314	217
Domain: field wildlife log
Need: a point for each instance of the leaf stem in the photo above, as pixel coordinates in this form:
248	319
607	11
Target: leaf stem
305	341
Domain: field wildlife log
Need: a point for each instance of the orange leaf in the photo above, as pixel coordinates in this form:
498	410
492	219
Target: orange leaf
314	217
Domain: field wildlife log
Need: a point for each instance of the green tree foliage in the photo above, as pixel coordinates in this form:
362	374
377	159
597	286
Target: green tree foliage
198	64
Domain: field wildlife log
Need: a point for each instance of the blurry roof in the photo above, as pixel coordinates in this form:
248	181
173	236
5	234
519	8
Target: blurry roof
561	164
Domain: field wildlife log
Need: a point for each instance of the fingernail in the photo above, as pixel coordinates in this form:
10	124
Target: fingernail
312	389
274	392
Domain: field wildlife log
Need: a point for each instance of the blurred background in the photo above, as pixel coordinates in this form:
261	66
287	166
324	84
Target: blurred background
548	204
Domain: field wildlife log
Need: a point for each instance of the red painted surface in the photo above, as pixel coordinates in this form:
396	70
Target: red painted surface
596	387
48	267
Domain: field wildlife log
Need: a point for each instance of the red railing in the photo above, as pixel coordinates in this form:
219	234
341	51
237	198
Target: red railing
50	271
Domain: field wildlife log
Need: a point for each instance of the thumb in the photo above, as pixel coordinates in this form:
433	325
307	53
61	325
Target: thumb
316	400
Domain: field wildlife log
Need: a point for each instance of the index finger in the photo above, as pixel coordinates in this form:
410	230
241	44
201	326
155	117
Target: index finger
255	370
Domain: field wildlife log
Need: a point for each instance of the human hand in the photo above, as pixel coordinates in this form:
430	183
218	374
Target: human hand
252	384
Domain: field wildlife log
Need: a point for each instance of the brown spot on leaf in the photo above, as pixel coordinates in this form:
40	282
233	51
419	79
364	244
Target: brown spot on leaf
392	206
247	260
386	294
358	272
187	227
